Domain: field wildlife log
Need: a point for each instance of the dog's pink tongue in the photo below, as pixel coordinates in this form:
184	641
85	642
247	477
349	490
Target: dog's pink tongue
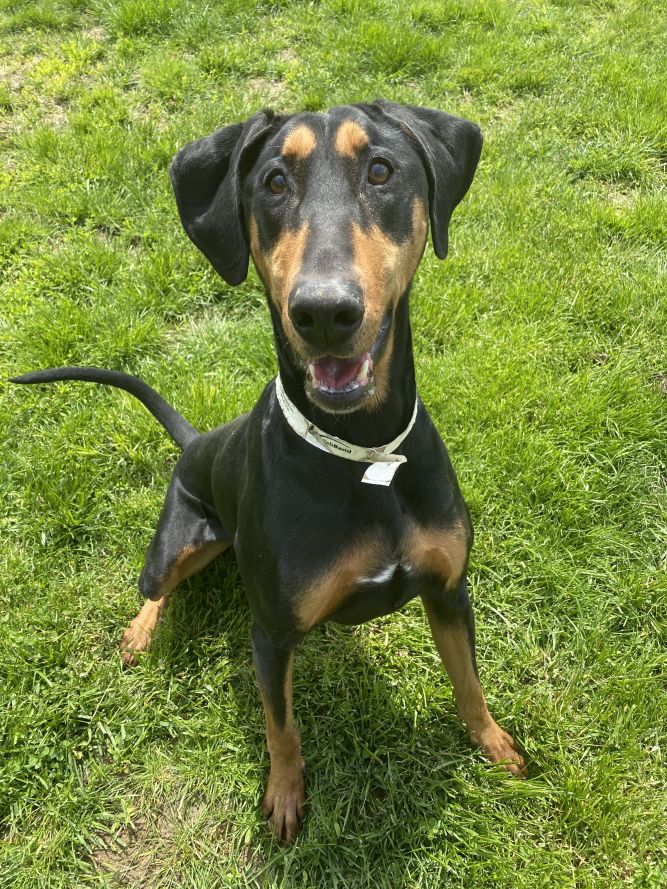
336	373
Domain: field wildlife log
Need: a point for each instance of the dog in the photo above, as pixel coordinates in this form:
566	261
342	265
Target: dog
335	490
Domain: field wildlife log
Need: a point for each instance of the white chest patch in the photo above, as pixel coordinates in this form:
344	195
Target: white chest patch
386	574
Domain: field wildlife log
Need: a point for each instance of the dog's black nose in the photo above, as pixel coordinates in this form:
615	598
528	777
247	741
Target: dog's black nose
326	313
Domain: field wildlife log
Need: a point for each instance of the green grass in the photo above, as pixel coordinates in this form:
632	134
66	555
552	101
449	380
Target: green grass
539	348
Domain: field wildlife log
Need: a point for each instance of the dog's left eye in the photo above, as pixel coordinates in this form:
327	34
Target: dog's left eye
277	182
379	172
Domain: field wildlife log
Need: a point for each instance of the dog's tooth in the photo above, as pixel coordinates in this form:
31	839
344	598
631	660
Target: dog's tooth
362	376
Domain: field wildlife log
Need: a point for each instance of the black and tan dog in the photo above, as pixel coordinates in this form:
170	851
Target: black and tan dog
328	520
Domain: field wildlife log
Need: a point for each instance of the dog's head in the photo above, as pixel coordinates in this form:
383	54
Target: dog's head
334	210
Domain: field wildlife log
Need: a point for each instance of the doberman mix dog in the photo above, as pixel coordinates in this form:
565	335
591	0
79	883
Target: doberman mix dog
328	521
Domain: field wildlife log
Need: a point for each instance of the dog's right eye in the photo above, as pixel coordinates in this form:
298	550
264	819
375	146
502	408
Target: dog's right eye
277	182
379	172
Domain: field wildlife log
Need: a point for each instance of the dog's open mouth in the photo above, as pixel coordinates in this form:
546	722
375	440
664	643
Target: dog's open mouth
341	376
341	384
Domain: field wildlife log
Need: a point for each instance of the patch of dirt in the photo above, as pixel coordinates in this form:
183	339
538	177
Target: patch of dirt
154	116
13	76
52	111
127	854
271	90
506	112
148	850
15	73
620	198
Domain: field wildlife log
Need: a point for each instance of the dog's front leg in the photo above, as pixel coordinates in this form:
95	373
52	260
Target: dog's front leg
283	800
452	624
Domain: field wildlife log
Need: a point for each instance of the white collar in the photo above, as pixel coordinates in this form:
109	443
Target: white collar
384	462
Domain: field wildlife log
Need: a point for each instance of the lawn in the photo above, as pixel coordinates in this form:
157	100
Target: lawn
541	351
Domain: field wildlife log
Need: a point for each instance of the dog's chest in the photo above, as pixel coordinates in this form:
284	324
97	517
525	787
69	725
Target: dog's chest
369	579
380	592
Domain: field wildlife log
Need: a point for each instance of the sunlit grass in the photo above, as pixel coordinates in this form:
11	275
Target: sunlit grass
540	344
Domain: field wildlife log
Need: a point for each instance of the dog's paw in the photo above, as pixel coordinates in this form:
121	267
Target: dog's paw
283	802
499	747
136	639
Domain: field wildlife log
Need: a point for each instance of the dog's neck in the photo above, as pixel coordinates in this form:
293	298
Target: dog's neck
367	426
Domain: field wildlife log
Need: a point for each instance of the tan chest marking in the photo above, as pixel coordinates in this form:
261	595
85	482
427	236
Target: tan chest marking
427	550
444	553
322	597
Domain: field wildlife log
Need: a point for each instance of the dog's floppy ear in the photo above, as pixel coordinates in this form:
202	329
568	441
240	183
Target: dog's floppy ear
206	177
450	148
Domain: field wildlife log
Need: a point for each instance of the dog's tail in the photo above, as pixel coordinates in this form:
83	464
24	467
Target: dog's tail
176	425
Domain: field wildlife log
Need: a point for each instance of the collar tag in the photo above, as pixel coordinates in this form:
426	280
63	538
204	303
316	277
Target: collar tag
381	473
383	461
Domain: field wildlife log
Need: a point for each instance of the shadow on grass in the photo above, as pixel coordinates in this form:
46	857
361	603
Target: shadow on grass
380	765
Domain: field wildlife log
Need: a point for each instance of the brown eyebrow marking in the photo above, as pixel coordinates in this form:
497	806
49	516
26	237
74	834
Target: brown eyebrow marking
299	143
350	138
